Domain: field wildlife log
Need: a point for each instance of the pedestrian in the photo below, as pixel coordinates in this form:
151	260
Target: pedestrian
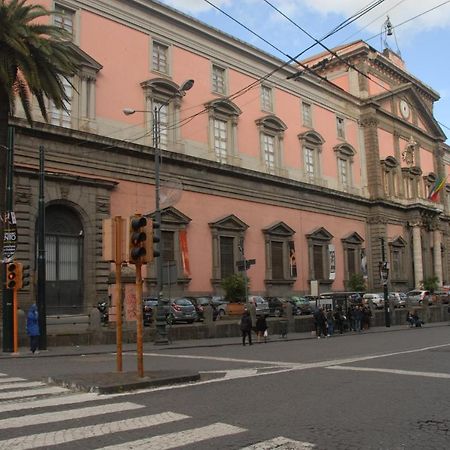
261	328
330	323
33	328
246	327
367	314
320	322
357	318
350	318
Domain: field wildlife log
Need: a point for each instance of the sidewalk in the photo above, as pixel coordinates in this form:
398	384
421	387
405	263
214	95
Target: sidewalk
111	382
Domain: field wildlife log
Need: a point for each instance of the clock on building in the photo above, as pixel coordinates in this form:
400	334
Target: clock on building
404	109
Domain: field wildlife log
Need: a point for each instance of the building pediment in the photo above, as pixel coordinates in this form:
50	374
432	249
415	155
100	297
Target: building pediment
353	238
85	60
229	223
173	216
279	229
320	234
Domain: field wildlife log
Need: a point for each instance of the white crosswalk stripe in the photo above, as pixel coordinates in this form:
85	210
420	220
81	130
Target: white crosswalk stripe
32	392
280	443
20	385
5	379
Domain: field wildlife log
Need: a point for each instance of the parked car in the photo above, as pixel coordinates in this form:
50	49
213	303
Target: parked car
399	299
276	306
440	297
377	299
417	297
221	304
182	310
261	305
200	303
148	310
302	305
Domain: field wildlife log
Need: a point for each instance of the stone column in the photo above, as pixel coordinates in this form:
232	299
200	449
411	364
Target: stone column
417	256
437	239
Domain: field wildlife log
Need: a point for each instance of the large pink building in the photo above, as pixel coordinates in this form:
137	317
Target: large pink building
257	155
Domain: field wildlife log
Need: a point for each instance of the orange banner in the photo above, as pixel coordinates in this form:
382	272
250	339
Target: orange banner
184	252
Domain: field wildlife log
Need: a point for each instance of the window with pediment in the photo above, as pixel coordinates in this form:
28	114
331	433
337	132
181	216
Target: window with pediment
174	249
227	236
223	120
397	254
163	98
389	174
428	183
344	157
271	134
311	147
319	255
281	267
352	246
411	182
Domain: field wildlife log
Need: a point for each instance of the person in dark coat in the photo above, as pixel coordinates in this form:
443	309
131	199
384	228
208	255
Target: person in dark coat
339	320
320	322
261	327
33	328
246	327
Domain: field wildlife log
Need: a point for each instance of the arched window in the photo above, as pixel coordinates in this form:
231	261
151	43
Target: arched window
271	134
344	157
311	147
223	120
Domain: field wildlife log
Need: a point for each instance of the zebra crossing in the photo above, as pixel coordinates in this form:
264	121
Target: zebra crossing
26	406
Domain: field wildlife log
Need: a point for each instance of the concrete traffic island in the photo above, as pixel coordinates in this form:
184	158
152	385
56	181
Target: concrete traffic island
116	382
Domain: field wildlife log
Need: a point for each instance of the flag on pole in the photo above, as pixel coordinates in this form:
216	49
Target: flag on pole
437	187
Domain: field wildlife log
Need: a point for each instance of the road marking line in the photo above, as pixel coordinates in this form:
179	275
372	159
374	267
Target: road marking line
76	434
280	443
54	401
32	392
179	439
25	384
59	416
395	371
10	379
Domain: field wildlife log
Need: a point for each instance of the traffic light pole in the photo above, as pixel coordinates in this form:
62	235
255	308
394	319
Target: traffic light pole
139	320
118	262
387	316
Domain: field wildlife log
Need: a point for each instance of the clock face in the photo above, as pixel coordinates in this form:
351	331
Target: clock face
404	109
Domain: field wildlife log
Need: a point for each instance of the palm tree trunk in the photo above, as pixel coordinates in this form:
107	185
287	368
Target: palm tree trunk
4	114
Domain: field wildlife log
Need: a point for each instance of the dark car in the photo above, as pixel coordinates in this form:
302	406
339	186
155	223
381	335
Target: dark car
277	306
200	303
148	310
182	310
302	304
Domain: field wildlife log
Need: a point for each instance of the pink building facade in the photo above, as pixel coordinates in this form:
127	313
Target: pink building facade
306	176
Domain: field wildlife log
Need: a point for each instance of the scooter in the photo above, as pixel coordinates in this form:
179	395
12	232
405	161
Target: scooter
102	306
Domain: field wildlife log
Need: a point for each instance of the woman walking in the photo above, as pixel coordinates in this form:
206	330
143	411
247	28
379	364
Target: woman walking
33	328
261	328
246	327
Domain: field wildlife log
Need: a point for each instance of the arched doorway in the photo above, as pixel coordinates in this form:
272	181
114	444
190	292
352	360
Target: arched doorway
64	256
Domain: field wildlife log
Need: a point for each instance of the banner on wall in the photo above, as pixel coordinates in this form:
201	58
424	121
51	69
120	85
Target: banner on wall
184	252
332	259
292	260
364	263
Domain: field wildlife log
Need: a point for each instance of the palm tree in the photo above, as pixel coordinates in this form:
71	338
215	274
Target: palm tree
35	57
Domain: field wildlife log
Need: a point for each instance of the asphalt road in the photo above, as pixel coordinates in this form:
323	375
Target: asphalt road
361	391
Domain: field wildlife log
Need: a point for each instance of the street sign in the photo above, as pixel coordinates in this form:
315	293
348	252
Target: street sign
9	237
245	264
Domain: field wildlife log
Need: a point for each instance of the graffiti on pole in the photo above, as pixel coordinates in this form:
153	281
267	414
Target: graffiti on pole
9	237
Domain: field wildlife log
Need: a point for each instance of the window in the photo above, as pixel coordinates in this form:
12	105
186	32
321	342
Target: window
223	119
64	18
319	256
227	236
344	154
397	250
269	152
218	80
271	130
280	254
340	127
311	146
307	115
389	168
220	140
174	250
163	95
411	177
353	255
62	117
160	57
266	98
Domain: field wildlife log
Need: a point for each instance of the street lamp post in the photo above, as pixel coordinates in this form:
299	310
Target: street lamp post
161	332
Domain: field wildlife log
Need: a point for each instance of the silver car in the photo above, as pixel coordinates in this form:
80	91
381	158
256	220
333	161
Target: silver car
182	310
417	297
377	300
260	303
398	298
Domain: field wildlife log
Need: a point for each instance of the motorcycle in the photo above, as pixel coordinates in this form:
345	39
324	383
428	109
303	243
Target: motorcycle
102	306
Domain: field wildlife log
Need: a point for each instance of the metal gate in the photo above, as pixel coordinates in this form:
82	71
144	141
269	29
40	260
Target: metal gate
64	255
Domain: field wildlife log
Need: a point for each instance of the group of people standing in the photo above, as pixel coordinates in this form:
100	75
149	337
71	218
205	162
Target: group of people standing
356	318
246	325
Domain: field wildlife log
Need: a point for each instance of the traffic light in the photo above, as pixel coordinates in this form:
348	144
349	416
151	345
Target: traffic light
25	275
11	275
140	232
155	239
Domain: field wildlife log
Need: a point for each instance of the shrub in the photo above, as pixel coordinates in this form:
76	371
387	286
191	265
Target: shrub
234	287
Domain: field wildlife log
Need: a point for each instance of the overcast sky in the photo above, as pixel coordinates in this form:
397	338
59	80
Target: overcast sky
423	41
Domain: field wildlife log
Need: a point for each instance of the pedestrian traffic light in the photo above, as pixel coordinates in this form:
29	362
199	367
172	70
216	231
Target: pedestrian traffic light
11	275
156	239
140	232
